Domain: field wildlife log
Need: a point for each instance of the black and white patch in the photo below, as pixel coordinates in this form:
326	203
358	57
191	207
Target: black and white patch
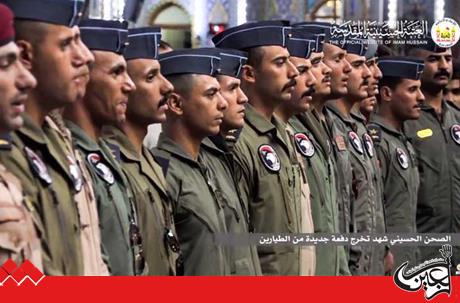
75	173
356	142
38	166
402	158
369	145
102	170
304	145
269	157
455	133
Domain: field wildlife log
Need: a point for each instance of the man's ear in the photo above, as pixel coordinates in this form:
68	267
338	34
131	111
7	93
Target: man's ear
176	104
26	53
248	74
385	94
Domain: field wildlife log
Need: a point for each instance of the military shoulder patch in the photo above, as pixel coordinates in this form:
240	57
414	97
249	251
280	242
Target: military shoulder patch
75	173
102	170
356	142
269	158
38	166
424	133
340	143
375	132
402	158
369	144
455	133
5	142
304	145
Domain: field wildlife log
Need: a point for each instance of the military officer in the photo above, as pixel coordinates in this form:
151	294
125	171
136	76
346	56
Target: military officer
269	165
51	48
217	156
19	239
399	100
368	106
104	104
436	141
147	105
300	46
195	111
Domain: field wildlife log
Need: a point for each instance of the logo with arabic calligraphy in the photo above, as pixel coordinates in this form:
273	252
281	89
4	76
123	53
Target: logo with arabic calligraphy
432	275
445	32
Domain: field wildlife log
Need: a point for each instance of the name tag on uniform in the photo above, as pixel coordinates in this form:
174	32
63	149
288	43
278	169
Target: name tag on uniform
424	133
340	142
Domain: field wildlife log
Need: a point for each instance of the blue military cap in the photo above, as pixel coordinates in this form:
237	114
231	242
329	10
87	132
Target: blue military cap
355	46
60	12
402	67
371	49
143	43
301	43
323	29
203	61
105	35
254	34
427	43
231	62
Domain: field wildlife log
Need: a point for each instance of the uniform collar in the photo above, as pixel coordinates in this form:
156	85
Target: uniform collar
81	138
357	115
332	106
257	121
31	130
385	125
167	144
210	145
5	141
127	149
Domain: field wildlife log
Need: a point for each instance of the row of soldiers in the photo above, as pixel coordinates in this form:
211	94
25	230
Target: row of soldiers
272	131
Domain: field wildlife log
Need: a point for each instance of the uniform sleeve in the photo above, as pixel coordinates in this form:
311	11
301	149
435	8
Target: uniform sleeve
242	156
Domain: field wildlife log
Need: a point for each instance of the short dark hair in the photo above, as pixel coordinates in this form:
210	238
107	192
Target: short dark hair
30	31
182	83
255	56
383	51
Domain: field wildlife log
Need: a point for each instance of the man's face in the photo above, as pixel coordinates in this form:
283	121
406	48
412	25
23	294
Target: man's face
452	91
304	89
236	99
108	88
322	74
15	83
367	105
203	109
437	70
406	100
60	65
358	81
275	76
148	104
334	57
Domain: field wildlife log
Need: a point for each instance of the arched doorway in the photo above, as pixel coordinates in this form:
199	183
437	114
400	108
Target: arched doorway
175	25
327	11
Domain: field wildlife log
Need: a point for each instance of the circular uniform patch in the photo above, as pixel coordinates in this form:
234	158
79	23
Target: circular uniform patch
101	169
38	166
304	145
356	142
269	157
75	173
402	158
455	133
369	145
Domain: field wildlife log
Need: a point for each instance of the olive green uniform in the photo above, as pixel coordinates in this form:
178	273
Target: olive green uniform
401	182
114	205
153	206
437	145
198	212
270	186
219	160
330	260
366	206
49	187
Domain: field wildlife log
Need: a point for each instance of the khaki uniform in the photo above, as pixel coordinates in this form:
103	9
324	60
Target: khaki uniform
270	185
114	204
219	160
49	187
366	206
319	166
401	182
437	144
154	209
18	239
198	213
60	137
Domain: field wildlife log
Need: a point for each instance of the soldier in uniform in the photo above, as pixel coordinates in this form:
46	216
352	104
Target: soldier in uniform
18	239
105	104
198	205
321	174
399	100
300	46
42	154
217	156
366	208
452	90
147	105
368	105
269	180
437	144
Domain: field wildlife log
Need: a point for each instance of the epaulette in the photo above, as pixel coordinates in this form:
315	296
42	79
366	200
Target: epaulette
5	142
115	149
163	162
232	137
375	132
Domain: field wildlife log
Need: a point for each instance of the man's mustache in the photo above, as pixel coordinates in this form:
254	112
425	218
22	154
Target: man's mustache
442	72
291	83
311	90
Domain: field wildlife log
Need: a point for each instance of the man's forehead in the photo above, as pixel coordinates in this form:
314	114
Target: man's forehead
454	83
108	58
423	53
275	51
351	58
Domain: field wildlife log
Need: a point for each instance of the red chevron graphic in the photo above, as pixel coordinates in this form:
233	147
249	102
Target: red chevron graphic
26	271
